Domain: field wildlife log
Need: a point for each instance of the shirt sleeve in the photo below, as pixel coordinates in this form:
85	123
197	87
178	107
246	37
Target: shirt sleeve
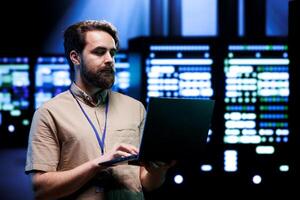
43	145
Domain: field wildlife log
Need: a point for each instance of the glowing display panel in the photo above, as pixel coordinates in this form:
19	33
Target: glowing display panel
52	76
256	99
181	71
14	97
122	78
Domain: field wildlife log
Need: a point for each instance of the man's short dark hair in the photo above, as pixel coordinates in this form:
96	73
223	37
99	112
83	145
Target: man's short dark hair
74	35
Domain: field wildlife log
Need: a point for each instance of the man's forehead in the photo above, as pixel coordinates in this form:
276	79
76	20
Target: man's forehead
105	48
96	39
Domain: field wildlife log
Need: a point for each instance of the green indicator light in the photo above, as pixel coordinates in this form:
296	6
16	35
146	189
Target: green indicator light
25	122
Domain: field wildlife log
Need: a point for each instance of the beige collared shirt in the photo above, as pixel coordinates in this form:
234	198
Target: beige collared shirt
61	138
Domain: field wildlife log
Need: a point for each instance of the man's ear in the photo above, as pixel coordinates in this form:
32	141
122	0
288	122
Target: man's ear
75	58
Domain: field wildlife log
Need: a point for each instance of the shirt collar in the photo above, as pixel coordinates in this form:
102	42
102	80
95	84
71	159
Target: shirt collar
83	96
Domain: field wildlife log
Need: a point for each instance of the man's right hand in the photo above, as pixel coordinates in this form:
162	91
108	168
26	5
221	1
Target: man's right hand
121	150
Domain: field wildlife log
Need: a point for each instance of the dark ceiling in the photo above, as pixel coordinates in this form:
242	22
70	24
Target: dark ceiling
25	24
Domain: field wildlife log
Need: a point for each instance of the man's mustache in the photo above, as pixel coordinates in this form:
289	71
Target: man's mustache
106	69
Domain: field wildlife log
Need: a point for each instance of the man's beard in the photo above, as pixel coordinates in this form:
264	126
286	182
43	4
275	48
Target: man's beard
103	78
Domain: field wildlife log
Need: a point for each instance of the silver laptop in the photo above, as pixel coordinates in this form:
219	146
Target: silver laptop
175	129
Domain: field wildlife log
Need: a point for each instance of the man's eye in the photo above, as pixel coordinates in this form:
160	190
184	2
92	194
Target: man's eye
100	52
113	53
